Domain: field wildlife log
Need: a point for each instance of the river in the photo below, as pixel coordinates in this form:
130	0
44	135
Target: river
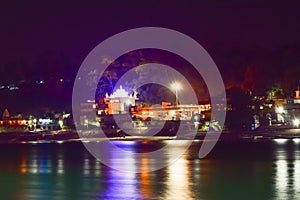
233	170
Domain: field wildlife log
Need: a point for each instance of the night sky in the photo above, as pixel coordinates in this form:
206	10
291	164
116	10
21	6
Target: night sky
255	44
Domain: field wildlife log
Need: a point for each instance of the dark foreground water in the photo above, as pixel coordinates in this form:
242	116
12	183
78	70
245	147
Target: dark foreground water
244	170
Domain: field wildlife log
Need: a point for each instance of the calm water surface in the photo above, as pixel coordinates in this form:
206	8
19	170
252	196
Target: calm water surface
244	170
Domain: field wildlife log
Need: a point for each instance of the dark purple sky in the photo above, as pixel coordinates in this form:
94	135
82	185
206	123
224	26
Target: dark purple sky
42	39
33	29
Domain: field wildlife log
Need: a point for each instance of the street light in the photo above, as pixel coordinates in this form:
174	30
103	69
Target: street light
176	86
296	122
280	110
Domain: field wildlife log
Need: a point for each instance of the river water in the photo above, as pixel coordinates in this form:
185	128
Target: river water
233	170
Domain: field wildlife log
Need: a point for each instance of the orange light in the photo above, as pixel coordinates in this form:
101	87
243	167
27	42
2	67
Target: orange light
23	167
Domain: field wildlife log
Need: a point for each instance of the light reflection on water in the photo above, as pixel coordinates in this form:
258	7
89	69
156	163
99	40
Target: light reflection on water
296	177
178	173
248	170
287	171
281	179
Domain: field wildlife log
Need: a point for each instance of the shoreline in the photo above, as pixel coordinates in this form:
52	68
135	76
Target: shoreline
265	133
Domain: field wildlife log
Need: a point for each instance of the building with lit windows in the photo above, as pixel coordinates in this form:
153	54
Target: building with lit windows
170	112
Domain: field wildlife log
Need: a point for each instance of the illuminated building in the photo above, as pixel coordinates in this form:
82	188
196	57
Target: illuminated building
87	113
168	112
119	102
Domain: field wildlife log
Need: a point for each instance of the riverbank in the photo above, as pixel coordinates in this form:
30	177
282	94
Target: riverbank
265	133
16	137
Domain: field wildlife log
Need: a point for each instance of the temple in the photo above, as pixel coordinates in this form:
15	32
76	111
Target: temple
119	102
